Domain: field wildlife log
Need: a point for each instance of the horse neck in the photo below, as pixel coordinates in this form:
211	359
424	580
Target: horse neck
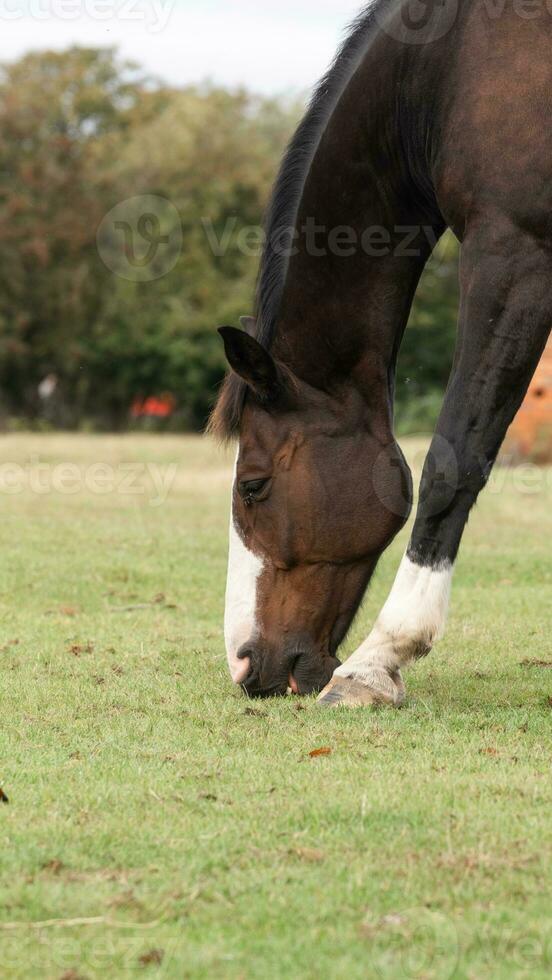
342	317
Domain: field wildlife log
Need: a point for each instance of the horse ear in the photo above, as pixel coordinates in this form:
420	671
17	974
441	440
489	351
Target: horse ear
252	362
249	324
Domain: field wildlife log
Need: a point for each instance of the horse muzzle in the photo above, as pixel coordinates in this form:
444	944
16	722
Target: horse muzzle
272	674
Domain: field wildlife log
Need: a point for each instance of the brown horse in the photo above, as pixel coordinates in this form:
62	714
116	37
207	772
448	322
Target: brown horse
433	115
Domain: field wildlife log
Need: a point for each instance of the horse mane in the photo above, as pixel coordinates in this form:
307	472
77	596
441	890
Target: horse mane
284	205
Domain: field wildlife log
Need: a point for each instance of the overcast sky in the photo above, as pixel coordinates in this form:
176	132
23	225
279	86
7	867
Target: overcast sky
271	46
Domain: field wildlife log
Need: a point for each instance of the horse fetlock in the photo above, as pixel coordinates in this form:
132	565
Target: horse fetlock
410	647
389	651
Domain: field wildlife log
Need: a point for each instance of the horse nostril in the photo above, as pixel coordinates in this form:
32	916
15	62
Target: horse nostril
243	664
241	670
246	653
265	677
252	675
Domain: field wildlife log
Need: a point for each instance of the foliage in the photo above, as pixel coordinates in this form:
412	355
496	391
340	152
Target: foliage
426	353
55	110
82	131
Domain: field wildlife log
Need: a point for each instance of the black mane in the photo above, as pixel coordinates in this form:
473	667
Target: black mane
294	170
286	199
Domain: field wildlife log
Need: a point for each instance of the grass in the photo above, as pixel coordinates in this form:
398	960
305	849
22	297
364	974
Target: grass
160	825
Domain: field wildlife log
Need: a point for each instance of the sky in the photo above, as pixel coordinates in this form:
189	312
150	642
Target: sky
271	46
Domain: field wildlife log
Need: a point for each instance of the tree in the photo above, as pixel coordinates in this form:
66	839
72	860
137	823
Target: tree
130	218
81	132
426	354
212	154
54	111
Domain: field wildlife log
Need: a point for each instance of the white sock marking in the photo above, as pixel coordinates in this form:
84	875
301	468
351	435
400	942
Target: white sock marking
418	602
411	621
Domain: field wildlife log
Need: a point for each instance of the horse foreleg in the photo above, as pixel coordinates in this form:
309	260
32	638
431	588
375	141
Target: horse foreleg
505	320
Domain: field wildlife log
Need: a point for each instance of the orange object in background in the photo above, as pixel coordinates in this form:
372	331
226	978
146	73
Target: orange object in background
530	436
153	407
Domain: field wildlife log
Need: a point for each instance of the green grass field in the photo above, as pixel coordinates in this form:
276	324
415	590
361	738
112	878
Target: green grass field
159	825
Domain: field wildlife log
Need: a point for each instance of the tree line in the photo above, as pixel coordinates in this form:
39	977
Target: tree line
129	216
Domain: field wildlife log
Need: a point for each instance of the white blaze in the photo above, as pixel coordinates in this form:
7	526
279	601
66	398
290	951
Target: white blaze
240	625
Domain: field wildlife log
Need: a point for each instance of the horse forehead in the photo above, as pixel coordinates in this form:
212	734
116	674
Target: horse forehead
274	445
258	431
254	457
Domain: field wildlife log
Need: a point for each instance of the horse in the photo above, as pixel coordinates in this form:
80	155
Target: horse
433	116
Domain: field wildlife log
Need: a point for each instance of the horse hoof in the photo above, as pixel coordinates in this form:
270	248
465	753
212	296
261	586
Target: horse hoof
351	692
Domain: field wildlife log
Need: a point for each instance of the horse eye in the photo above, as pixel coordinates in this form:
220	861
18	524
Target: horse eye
250	490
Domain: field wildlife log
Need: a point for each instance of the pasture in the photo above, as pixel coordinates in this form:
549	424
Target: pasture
160	825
